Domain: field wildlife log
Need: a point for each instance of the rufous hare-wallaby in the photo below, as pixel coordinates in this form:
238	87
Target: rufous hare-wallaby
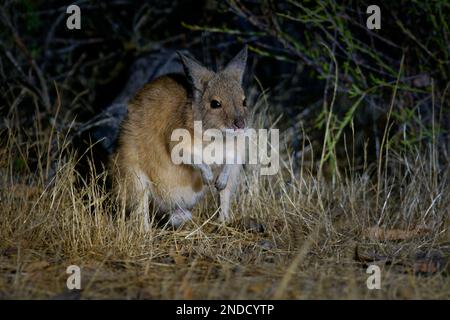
144	175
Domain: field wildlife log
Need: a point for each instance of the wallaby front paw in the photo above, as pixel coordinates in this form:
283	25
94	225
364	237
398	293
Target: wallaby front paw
221	182
207	175
222	179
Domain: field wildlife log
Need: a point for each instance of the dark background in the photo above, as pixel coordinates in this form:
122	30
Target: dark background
47	69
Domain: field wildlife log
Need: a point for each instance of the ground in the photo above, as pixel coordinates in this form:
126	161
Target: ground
293	236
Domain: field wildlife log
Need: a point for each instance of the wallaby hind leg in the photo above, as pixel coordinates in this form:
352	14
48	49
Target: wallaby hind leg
138	195
143	209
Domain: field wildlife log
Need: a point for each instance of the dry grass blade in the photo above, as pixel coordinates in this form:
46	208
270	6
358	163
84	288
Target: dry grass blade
380	234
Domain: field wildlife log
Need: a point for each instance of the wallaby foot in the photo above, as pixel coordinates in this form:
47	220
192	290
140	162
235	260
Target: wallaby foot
179	217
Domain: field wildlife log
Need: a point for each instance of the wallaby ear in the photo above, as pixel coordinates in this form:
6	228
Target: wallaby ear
236	67
197	74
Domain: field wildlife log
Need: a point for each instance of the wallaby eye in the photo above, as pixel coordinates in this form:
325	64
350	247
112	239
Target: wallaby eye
244	102
215	104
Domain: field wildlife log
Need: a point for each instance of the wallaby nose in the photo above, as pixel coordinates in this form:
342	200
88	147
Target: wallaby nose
239	123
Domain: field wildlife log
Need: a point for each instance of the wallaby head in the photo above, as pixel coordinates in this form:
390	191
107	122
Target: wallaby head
218	98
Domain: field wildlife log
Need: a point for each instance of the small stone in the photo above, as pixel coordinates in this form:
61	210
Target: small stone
253	225
266	244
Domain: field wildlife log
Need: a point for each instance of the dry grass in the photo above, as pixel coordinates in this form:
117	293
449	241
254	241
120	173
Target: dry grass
293	236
